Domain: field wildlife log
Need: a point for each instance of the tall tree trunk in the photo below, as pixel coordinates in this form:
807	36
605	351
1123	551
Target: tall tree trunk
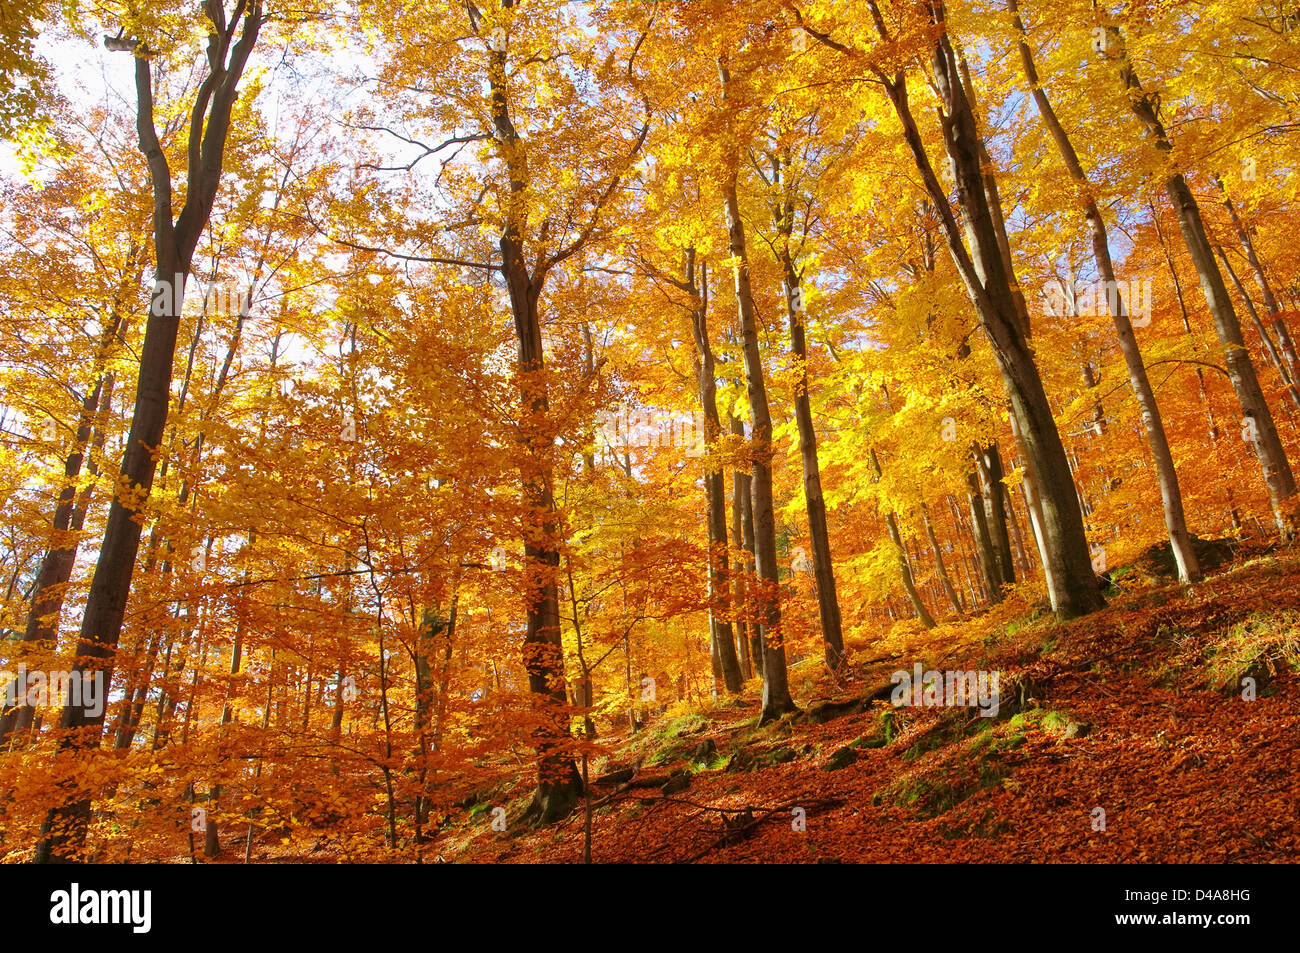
988	463
988	560
584	695
1257	418
1017	539
558	781
1284	339
945	581
828	606
742	529
722	640
904	564
1212	426
767	597
559	785
64	831
49	589
211	833
1152	421
1071	582
1270	349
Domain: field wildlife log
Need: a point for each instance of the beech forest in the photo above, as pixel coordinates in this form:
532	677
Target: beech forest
733	431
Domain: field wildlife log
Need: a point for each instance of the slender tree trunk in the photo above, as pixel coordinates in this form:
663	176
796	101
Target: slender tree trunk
905	572
828	606
944	580
738	579
1257	419
1152	421
211	833
559	784
1017	539
723	646
988	464
1284	339
64	832
1067	565
1270	349
900	552
776	692
1092	380
988	560
960	533
55	570
742	528
583	696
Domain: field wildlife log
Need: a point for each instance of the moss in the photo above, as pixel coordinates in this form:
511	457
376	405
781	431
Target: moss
1025	622
988	824
882	734
1258	648
670	753
1058	724
686	724
841	759
969	758
938	792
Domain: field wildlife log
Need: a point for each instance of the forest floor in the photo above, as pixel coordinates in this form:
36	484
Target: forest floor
1139	710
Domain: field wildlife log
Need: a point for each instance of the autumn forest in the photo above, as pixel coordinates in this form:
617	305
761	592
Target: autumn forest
549	431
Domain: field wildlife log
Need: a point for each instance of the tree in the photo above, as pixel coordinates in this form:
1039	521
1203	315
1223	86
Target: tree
229	45
1152	422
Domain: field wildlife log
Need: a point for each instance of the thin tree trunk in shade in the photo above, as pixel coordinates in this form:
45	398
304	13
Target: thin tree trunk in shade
941	569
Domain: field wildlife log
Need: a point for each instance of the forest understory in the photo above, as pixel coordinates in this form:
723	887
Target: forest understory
1136	709
665	431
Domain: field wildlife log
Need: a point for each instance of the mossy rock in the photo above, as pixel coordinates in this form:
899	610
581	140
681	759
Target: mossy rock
677	782
742	759
881	735
1158	562
781	755
704	752
841	759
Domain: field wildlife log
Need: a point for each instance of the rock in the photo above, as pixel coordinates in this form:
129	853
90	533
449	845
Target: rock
1076	729
704	752
677	781
841	759
651	780
883	693
782	756
821	712
1158	561
618	776
742	760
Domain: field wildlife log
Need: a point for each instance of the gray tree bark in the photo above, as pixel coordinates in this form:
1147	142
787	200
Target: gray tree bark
828	605
767	599
1072	584
1152	421
1257	418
